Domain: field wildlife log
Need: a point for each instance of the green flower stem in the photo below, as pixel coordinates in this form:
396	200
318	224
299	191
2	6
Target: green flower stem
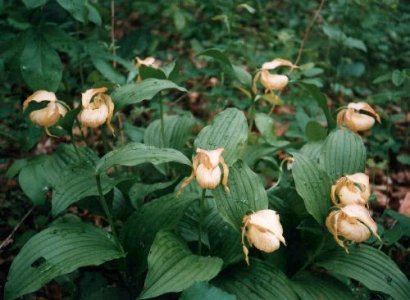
161	112
201	219
107	212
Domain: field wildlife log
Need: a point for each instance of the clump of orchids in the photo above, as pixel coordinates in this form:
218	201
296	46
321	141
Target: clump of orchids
97	109
351	220
262	230
358	116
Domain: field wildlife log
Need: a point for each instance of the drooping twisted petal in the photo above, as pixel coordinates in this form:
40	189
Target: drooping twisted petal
352	222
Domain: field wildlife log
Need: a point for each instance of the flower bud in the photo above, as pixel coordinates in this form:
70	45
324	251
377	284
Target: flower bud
262	230
98	108
274	82
49	115
351	189
353	223
206	170
358	116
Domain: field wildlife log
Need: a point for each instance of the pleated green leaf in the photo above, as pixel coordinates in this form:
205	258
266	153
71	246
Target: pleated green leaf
247	194
134	154
143	90
313	184
205	291
343	153
257	281
177	132
66	155
76	183
57	250
313	286
142	226
33	181
224	241
229	130
312	150
172	267
40	65
374	269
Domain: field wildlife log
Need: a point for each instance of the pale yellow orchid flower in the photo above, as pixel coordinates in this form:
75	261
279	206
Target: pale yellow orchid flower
273	82
352	222
358	116
49	115
148	61
351	189
262	230
97	108
206	170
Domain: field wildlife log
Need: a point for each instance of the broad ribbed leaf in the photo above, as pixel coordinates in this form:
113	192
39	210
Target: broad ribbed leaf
247	194
312	150
34	3
33	181
313	286
76	183
343	153
177	132
229	130
313	185
205	291
57	250
40	64
142	226
134	154
320	98
257	281
172	267
371	267
66	155
139	191
77	8
224	241
144	90
314	131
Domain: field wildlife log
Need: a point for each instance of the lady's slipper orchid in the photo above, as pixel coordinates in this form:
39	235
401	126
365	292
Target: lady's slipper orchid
351	189
353	222
274	82
148	61
358	116
206	170
262	230
98	108
49	115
